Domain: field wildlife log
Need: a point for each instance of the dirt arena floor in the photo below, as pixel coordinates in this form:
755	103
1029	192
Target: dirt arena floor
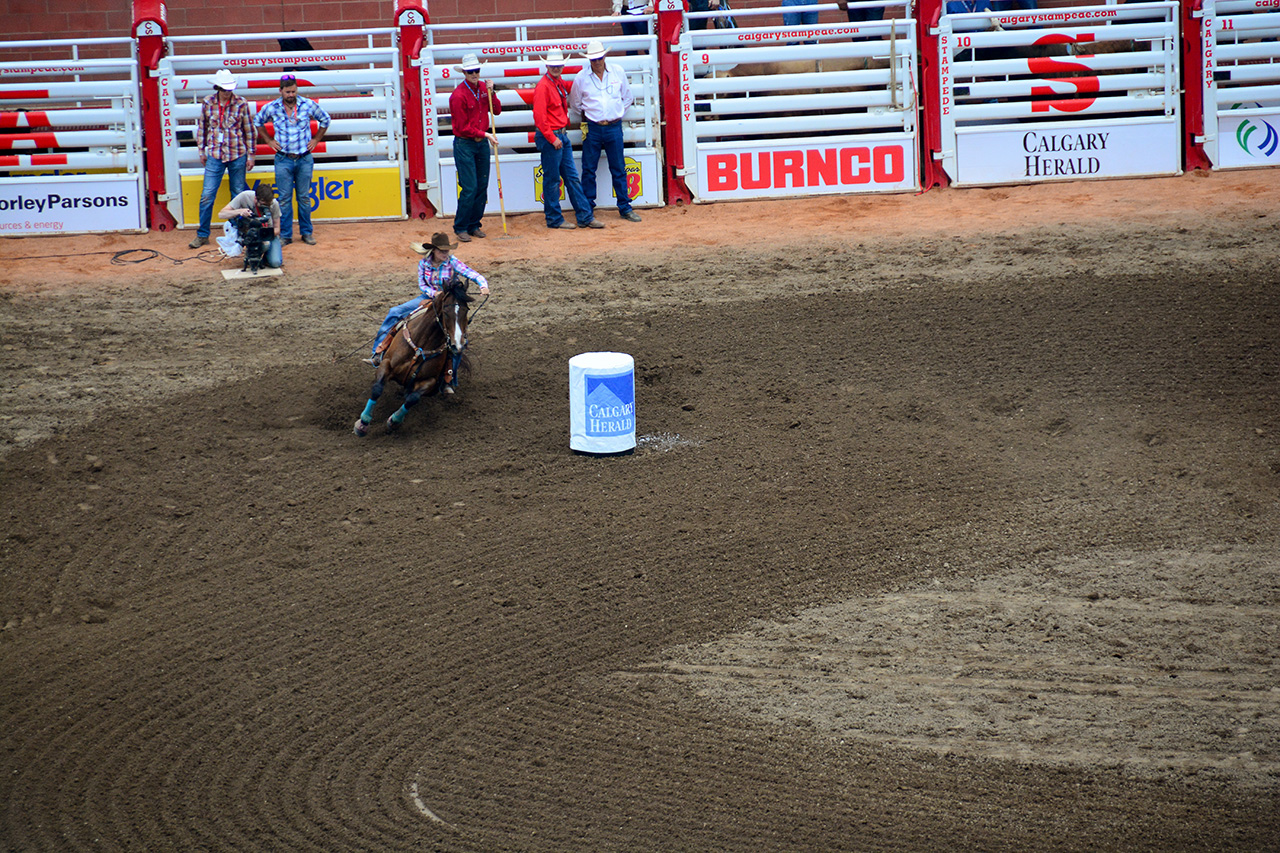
954	525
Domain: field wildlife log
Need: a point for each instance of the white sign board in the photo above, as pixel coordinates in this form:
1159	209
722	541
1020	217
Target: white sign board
59	206
522	183
1246	142
1021	153
774	169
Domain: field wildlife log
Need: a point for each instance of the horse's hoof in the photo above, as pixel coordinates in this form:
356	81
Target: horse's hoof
362	428
392	425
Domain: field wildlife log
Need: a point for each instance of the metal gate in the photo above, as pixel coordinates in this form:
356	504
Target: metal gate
1061	94
360	168
1240	74
70	138
772	111
512	59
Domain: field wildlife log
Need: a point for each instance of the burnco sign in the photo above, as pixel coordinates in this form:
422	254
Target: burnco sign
778	170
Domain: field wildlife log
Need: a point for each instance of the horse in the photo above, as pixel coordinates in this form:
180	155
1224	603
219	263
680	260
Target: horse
425	353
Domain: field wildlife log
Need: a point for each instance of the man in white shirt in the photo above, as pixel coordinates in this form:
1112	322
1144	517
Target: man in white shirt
601	96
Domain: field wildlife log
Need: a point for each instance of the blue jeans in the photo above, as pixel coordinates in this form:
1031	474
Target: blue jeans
557	166
213	171
856	15
292	173
609	139
395	315
472	159
795	19
273	255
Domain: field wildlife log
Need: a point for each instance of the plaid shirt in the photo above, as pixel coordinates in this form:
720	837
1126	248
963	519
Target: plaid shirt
432	277
225	132
292	134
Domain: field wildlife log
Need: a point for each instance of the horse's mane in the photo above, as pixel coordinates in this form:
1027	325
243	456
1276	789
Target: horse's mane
458	289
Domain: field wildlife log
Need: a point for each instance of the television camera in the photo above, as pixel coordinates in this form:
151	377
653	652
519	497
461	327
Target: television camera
254	232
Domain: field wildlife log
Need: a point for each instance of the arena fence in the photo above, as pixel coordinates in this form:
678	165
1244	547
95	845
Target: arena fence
512	53
1240	80
71	156
1060	94
751	110
770	111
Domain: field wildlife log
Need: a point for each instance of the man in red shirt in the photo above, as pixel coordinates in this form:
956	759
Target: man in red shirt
551	117
469	118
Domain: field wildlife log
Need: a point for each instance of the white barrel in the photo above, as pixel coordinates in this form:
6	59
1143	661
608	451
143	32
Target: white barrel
602	402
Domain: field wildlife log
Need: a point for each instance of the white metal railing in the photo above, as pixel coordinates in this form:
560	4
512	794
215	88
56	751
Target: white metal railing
1240	76
512	55
846	98
359	87
1067	93
70	137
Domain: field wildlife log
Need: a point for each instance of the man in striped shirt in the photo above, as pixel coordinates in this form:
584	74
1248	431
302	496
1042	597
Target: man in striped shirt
225	138
293	141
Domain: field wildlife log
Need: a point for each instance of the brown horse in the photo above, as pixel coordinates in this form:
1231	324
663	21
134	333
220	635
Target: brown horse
425	353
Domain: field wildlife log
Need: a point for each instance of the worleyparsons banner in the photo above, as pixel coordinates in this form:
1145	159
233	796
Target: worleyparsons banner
70	207
335	193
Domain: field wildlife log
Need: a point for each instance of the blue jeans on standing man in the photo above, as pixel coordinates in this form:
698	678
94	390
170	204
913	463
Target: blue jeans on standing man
796	19
472	159
213	171
557	166
606	137
291	173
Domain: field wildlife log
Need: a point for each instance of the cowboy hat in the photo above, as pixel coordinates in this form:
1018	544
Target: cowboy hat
223	80
439	241
555	57
595	50
469	63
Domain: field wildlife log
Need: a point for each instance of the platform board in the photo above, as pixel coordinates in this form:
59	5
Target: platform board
264	272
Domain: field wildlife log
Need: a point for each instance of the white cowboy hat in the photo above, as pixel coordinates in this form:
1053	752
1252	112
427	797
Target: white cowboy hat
555	57
469	63
223	80
595	50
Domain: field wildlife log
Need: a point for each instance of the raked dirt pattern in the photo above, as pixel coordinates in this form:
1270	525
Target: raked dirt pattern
954	525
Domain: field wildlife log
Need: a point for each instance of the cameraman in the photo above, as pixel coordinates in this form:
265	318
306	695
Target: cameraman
256	203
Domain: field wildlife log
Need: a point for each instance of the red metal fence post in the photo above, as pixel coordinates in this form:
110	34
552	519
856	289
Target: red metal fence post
411	17
928	13
150	27
670	25
1196	37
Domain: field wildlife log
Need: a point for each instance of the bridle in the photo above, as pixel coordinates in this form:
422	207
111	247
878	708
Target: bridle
453	347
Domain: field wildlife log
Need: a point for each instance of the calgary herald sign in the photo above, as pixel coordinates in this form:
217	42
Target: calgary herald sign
1021	153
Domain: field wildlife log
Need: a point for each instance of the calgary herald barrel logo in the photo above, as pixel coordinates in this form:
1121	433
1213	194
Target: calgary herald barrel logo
611	404
1255	136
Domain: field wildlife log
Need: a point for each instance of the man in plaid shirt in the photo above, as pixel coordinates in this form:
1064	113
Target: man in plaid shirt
225	137
293	142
